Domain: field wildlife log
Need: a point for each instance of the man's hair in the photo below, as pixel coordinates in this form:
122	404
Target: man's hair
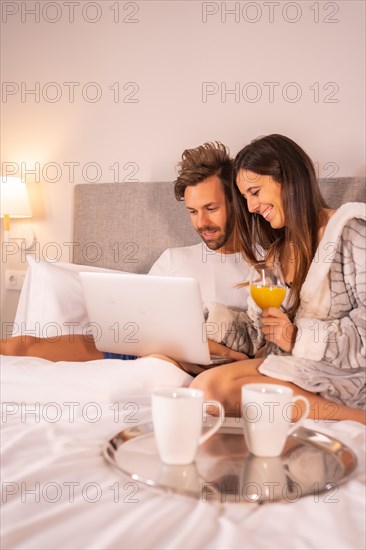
209	159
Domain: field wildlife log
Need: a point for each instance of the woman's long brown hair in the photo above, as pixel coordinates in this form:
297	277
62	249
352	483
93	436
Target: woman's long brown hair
280	157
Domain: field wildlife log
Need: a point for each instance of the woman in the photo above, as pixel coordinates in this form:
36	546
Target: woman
279	208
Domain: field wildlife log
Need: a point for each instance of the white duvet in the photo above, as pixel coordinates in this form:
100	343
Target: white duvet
58	492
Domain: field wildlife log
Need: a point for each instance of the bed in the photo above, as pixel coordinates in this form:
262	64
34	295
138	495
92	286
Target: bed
58	491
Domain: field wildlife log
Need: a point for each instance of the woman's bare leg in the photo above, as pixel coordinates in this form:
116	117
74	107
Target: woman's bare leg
224	384
75	347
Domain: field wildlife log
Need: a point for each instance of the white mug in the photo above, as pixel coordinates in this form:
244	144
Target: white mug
178	416
267	412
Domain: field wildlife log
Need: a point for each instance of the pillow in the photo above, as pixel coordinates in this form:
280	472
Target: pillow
51	302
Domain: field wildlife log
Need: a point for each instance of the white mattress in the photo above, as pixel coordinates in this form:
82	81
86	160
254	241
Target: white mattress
58	491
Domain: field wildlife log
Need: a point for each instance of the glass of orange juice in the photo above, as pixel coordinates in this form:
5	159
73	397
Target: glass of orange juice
267	286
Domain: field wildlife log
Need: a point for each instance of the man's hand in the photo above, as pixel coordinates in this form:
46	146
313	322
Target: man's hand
219	349
277	328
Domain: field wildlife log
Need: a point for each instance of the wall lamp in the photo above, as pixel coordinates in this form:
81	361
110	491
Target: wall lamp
15	204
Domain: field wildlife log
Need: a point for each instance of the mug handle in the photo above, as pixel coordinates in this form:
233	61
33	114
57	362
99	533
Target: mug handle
218	423
303	417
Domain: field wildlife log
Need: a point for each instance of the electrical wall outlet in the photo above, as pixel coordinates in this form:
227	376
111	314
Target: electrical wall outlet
14	279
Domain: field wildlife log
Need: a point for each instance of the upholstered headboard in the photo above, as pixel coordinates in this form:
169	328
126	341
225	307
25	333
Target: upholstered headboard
127	226
131	224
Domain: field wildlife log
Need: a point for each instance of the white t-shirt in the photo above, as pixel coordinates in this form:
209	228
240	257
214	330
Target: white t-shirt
216	273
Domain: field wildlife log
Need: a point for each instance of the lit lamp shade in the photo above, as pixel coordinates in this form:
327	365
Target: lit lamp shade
14	201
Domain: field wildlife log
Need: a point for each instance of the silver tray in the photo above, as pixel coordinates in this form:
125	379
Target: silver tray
311	463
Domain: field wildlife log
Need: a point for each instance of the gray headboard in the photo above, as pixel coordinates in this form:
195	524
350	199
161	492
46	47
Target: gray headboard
131	224
127	226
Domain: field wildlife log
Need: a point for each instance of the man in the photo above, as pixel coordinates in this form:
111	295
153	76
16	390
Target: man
204	183
204	180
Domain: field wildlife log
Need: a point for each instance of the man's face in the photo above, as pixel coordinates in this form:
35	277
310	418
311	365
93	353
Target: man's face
209	211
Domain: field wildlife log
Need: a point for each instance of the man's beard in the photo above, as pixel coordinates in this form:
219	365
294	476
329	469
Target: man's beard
219	240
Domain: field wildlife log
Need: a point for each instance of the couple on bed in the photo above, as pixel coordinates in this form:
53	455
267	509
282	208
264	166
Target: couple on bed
266	203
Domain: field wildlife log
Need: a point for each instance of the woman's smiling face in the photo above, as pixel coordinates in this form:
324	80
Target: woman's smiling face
263	196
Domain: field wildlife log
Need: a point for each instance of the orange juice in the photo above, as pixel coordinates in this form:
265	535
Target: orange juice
268	296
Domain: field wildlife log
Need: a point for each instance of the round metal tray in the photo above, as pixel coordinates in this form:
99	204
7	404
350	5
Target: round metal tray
311	463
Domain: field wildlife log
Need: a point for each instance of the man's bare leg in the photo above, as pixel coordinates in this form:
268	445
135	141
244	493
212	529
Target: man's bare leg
68	348
75	347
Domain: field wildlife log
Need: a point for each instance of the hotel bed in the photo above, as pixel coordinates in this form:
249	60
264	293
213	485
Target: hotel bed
58	491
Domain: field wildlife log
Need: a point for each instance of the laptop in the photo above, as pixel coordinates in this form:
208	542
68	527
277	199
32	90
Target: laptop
141	315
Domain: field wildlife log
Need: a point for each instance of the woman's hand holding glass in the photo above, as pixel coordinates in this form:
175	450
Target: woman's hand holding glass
277	328
268	290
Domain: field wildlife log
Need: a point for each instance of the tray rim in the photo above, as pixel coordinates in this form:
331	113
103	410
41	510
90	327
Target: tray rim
302	433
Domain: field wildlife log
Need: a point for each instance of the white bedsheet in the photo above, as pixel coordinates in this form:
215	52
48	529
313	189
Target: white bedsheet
58	492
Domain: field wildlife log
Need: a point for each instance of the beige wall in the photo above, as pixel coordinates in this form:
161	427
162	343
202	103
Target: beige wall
121	88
